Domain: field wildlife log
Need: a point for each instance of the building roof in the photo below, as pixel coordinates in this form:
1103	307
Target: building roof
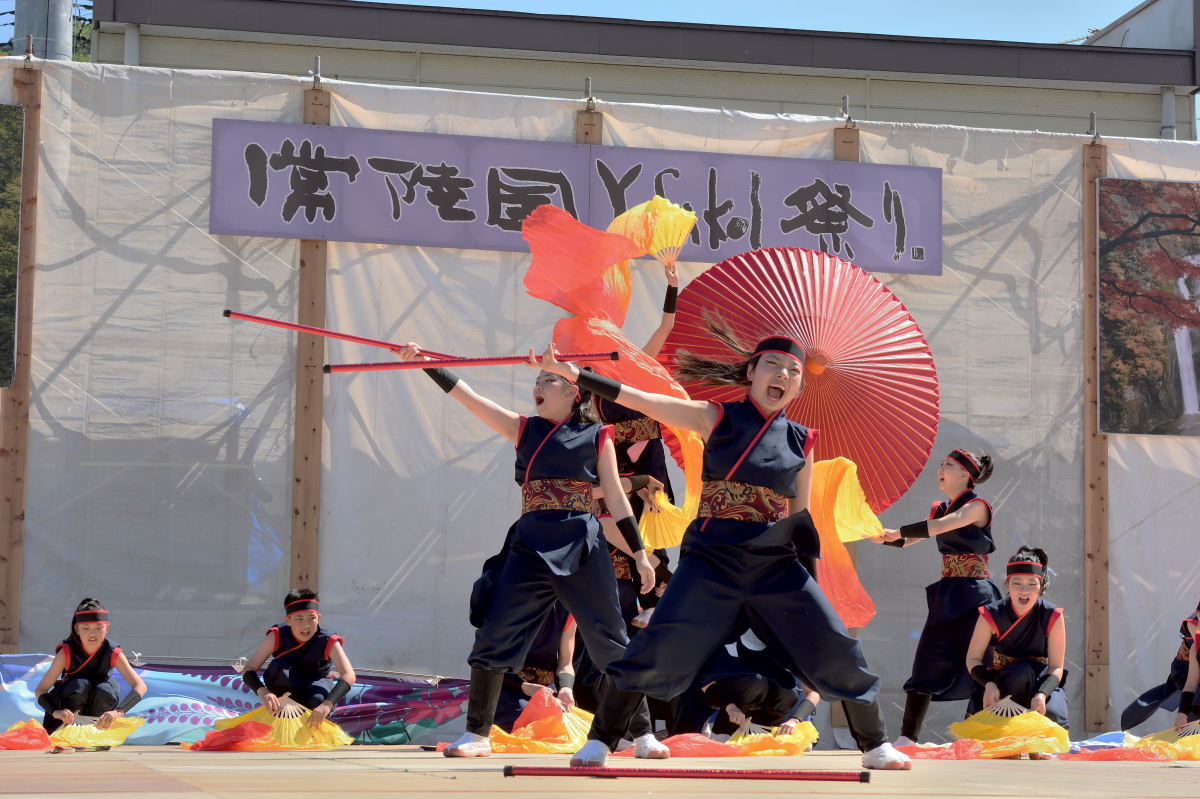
669	41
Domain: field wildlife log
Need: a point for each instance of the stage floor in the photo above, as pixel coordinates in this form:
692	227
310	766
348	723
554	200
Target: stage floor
390	771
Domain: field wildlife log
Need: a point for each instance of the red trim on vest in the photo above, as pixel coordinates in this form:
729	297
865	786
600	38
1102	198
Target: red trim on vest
533	457
810	441
1055	615
521	420
986	615
753	442
112	661
720	414
84	663
333	639
1013	626
570	620
275	632
606	434
293	649
933	506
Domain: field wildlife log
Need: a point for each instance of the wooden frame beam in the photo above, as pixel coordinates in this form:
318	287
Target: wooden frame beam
310	386
1095	463
27	91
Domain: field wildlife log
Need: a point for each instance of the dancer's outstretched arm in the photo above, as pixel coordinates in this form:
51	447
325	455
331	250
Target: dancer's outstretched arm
502	420
700	416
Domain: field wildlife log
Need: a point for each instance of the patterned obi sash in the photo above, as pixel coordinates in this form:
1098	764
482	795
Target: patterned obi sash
536	676
965	565
620	565
742	502
573	495
1000	660
641	429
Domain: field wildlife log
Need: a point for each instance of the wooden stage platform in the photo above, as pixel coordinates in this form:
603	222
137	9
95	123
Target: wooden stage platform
390	771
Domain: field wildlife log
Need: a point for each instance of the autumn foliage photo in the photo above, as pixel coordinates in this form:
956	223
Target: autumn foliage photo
1149	306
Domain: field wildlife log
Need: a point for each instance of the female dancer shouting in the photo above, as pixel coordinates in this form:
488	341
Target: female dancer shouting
556	553
737	562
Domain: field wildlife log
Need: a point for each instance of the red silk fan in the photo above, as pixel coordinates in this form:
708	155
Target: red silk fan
870	385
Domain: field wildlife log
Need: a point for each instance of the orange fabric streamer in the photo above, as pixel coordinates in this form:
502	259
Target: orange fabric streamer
840	512
249	736
27	735
576	268
962	749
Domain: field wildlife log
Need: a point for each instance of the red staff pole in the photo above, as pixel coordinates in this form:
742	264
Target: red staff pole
498	360
690	773
320	331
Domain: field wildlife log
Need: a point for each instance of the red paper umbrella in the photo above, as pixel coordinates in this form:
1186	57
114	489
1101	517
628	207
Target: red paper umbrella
870	385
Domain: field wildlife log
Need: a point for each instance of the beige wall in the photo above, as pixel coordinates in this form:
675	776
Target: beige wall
954	101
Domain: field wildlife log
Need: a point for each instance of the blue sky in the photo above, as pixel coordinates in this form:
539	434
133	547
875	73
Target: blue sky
1014	20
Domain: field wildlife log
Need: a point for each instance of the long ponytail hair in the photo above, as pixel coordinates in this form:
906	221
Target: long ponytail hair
692	367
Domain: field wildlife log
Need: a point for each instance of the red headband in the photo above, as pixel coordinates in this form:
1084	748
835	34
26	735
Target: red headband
297	605
93	614
1026	567
964	459
780	344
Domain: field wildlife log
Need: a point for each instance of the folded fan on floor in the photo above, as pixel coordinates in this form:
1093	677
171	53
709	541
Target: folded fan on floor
289	728
83	732
1007	728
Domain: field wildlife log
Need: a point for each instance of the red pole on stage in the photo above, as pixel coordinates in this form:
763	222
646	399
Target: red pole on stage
690	773
498	360
320	331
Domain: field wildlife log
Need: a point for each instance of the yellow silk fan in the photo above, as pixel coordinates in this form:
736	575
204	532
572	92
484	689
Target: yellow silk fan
1007	728
658	226
84	734
290	728
1185	741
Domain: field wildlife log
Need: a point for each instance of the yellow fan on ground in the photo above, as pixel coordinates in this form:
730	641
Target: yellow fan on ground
756	742
658	226
84	734
290	728
1184	741
1007	728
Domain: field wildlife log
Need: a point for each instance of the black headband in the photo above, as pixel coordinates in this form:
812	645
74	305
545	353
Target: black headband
780	344
90	615
965	460
1026	567
297	605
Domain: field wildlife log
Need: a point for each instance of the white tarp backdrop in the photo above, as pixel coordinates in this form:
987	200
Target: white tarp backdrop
160	443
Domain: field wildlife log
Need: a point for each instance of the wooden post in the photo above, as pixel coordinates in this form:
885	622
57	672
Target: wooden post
1095	463
310	358
27	90
845	148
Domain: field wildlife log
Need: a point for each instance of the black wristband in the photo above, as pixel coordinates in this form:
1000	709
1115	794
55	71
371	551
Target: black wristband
671	300
599	385
565	680
915	530
338	692
1186	700
899	542
1047	685
131	699
252	680
445	379
48	705
637	482
803	709
983	675
629	531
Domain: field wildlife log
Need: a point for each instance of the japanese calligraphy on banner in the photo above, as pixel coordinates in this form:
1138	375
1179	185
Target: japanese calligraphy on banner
356	184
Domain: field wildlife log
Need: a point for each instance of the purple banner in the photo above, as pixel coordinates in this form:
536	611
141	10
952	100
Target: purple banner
355	184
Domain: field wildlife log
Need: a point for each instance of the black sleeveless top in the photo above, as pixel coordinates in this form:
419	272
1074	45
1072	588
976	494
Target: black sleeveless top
1021	638
972	539
308	660
95	668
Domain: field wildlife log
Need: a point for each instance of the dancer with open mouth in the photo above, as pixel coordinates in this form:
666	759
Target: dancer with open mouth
555	552
737	561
